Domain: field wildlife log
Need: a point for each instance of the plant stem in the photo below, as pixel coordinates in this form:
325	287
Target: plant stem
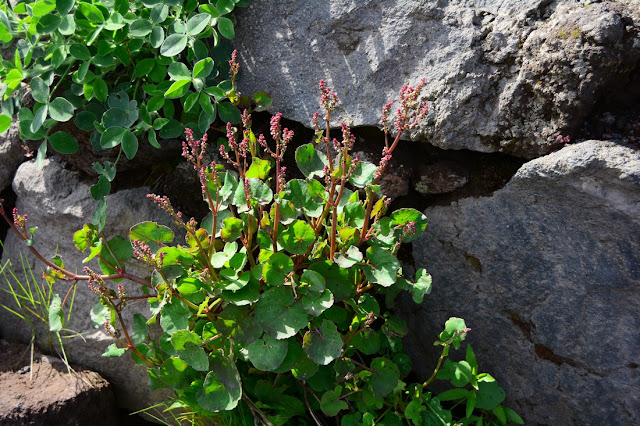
445	352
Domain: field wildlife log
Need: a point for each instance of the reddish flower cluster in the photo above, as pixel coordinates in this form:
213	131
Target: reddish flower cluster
411	111
164	203
18	220
234	65
328	99
193	150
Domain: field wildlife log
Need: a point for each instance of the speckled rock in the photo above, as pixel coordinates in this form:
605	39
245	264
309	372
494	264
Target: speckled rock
546	272
507	76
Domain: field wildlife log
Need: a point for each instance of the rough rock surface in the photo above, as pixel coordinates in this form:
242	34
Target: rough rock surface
546	272
59	203
506	76
44	393
11	155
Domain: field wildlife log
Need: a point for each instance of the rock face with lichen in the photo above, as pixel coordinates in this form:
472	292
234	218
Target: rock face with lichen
502	76
546	273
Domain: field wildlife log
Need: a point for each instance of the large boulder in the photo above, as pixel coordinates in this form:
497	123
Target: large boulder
58	202
502	76
546	272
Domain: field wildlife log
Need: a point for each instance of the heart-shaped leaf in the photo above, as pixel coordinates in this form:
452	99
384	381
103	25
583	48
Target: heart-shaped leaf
267	353
323	344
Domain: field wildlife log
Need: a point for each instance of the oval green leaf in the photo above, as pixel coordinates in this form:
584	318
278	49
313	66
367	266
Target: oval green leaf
63	142
173	45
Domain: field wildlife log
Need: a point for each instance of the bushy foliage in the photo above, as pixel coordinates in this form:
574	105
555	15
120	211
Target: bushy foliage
125	71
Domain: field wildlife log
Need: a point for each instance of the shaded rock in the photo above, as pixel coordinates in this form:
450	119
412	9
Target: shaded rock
11	155
504	76
441	177
147	156
546	273
44	392
58	203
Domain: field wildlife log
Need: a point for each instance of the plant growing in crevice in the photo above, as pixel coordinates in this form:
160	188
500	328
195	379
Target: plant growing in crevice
276	305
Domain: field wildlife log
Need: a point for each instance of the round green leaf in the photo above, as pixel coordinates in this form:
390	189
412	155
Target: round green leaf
91	12
174	317
490	394
157	37
80	51
197	23
5	123
222	388
129	144
67	25
311	162
278	314
267	353
112	137
228	112
350	258
177	89
64	6
401	217
315	304
39	90
140	28
100	90
42	8
203	68
173	45
153	234
144	67
385	376
383	267
323	344
63	142
179	71
225	26
115	22
263	101
276	269
297	237
48	23
363	174
159	13
331	404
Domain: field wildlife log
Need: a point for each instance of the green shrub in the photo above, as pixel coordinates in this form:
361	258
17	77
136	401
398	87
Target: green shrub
276	305
126	71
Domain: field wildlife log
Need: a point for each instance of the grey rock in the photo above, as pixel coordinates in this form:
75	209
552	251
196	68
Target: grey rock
58	202
546	273
502	76
11	155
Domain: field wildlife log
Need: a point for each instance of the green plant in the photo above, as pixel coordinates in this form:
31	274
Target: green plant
36	304
124	71
276	306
